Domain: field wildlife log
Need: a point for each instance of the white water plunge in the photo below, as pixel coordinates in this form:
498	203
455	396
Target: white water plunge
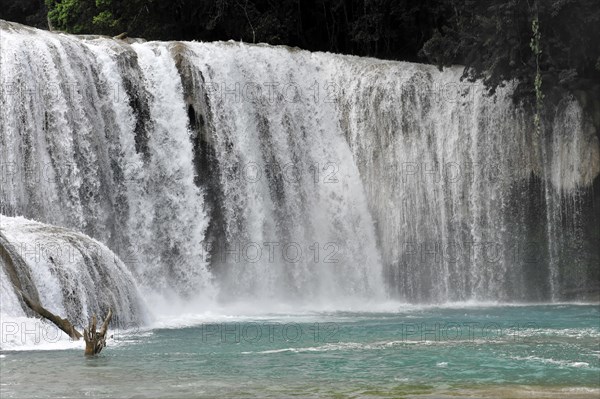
69	273
230	172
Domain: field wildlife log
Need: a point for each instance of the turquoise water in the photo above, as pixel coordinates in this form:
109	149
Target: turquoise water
500	351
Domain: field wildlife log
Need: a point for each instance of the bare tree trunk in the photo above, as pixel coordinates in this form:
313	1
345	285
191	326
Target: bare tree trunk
95	341
63	324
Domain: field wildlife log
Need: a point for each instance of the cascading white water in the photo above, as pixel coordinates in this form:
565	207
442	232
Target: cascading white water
272	174
67	272
78	154
293	202
456	164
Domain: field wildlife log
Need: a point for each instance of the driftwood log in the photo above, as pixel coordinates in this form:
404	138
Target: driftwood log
95	341
63	324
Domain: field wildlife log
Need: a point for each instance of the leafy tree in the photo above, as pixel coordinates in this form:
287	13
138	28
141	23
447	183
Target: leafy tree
492	38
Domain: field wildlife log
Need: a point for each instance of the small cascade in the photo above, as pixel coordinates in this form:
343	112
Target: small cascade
68	273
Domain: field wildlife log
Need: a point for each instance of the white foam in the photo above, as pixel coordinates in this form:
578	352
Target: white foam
28	334
562	363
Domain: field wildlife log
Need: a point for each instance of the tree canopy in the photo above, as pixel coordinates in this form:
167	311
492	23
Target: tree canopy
493	39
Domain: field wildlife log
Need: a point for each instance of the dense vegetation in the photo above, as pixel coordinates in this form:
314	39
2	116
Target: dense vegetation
492	38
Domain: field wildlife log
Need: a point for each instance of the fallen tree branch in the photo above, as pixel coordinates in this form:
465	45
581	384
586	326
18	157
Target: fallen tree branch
64	324
95	341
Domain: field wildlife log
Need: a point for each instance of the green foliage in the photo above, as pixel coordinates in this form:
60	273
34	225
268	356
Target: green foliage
83	16
104	20
65	15
493	39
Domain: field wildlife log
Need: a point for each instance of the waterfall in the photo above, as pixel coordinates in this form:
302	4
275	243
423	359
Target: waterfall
291	197
230	172
453	179
98	142
67	272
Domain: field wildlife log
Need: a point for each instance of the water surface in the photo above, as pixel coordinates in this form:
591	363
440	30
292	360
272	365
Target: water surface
499	351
